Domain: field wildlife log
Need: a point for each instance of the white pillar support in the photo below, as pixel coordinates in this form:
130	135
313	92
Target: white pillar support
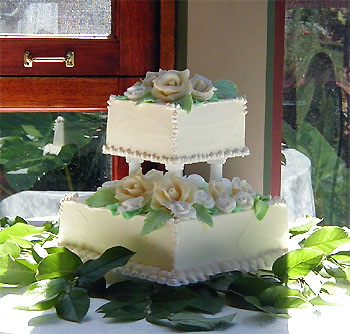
216	169
175	169
134	165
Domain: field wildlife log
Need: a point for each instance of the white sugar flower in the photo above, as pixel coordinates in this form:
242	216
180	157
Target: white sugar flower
217	188
202	88
135	92
241	185
149	79
131	204
205	199
196	180
244	199
183	210
225	203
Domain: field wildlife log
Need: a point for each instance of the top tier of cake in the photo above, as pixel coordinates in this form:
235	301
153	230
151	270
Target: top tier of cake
188	125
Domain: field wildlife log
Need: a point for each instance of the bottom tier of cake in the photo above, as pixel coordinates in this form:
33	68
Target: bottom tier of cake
181	251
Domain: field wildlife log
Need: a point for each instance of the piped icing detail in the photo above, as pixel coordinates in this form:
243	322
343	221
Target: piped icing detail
192	275
228	153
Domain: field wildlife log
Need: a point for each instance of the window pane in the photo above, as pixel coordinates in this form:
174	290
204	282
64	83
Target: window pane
316	101
48	151
79	17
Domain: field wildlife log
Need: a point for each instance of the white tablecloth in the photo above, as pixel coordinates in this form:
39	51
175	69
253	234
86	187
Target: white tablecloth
332	319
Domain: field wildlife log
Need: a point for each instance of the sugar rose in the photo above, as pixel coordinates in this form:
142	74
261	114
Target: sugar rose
241	185
172	85
172	189
135	92
202	88
183	210
217	188
133	186
244	199
150	77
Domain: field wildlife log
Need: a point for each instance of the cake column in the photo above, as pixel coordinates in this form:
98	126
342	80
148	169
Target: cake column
175	169
216	169
134	165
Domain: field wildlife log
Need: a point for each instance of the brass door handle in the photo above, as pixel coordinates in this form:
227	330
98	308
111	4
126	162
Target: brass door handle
68	59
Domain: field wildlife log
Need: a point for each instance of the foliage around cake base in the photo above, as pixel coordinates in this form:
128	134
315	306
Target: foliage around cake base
60	280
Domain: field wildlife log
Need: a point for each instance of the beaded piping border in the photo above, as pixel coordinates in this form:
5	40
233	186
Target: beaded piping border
175	160
194	275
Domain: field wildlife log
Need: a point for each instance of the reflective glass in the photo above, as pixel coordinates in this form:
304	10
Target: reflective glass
316	108
56	17
50	151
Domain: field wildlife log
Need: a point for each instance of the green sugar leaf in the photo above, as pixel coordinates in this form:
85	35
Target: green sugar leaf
213	211
121	97
297	263
190	321
10	248
18	230
114	208
131	312
203	214
186	103
60	264
260	208
101	198
146	97
327	239
73	305
214	98
237	209
225	89
129	214
155	219
93	270
17	272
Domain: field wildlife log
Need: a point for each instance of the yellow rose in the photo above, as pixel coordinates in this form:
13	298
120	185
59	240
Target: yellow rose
133	186
171	85
217	188
172	189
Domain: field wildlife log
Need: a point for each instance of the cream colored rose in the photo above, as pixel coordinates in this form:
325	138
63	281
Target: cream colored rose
133	186
150	77
172	189
183	210
135	92
241	185
217	188
244	199
202	88
172	85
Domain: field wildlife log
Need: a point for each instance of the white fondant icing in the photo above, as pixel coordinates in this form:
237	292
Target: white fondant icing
211	131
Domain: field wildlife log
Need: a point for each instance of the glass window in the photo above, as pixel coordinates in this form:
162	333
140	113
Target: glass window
50	151
316	100
56	17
